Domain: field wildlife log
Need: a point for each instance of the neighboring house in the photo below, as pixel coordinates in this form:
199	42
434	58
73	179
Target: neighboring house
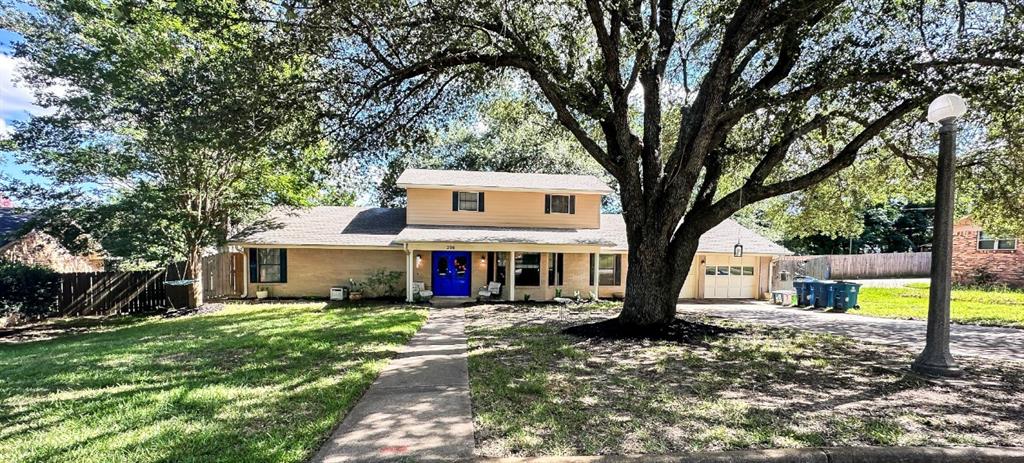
534	233
18	243
982	258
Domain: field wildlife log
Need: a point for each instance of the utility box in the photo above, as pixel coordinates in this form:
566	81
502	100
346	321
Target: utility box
339	294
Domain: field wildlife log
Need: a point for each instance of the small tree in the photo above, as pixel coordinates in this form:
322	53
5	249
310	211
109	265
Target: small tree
175	124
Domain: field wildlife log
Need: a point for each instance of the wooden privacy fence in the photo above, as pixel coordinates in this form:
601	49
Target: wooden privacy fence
887	265
111	292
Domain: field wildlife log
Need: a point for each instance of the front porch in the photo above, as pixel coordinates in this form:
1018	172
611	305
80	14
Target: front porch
533	272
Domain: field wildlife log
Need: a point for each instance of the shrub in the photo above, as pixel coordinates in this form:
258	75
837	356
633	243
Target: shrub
384	283
29	290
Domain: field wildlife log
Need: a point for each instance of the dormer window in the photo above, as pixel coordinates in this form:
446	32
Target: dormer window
467	201
559	204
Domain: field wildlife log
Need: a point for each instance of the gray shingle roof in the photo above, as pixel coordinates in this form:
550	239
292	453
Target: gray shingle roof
326	226
501	180
359	226
12	223
720	239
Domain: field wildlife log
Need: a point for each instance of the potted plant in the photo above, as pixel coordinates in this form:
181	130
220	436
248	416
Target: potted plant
355	290
262	292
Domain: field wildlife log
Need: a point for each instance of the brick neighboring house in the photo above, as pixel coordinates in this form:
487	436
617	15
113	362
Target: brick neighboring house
18	243
978	256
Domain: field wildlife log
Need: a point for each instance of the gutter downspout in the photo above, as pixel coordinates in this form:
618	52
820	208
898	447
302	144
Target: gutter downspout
245	273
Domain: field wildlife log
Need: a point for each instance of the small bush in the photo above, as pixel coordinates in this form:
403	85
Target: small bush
27	289
384	283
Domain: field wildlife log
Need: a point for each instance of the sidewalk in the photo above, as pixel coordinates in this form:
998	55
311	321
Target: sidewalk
419	408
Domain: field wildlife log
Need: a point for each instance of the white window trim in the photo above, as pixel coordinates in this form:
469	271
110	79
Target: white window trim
568	206
995	243
477	193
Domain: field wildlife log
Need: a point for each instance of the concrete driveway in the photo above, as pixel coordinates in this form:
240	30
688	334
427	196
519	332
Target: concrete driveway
976	341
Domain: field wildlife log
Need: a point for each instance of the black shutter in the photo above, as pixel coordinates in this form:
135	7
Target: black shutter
253	266
284	265
572	204
547	204
480	202
559	267
455	200
592	257
490	267
618	269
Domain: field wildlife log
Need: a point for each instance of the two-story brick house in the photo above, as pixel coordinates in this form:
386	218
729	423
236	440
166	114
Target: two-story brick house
979	256
536	234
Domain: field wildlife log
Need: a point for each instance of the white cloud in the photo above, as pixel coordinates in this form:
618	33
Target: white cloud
17	99
5	128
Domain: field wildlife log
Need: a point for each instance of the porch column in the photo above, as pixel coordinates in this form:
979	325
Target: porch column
512	275
408	276
597	276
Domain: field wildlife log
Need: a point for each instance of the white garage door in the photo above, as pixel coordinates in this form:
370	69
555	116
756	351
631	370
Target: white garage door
734	280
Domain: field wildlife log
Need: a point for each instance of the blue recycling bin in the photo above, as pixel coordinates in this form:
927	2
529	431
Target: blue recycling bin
846	295
802	287
822	294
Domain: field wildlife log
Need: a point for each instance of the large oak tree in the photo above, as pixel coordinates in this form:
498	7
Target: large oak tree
671	97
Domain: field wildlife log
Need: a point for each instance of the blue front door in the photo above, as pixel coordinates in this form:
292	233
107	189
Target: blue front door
451	273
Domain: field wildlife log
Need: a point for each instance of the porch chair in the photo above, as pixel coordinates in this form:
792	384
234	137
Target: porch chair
420	289
491	291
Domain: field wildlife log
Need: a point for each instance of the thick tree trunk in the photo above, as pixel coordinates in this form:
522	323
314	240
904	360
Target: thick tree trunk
654	279
194	271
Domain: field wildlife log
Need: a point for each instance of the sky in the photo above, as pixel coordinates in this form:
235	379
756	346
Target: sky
16	101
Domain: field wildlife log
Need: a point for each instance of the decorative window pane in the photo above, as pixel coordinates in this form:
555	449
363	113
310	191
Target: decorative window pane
442	266
606	270
735	270
709	270
528	269
268	262
460	265
560	204
723	271
748	271
469	201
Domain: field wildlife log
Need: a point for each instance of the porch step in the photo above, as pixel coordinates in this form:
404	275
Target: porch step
445	301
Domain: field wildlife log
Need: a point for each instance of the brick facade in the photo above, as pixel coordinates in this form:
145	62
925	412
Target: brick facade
38	248
1006	266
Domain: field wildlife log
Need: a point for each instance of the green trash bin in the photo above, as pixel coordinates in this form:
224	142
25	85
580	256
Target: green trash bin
846	295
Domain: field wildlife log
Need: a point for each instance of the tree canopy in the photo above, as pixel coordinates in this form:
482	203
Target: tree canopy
173	123
697	109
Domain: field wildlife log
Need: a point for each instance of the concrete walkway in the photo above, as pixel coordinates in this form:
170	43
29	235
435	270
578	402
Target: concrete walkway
419	408
977	341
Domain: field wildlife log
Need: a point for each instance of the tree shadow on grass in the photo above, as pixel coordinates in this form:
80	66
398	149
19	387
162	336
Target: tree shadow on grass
540	390
257	384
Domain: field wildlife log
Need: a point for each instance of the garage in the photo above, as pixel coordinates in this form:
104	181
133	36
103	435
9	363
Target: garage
728	277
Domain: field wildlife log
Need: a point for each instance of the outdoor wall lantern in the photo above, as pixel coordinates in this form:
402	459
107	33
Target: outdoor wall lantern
419	258
737	251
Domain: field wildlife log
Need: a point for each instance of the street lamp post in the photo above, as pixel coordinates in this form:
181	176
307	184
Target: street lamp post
936	359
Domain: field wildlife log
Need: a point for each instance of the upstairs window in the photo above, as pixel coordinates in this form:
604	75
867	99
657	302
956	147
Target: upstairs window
467	201
559	204
989	242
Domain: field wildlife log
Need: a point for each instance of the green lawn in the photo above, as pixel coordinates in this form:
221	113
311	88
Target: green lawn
537	391
250	383
978	307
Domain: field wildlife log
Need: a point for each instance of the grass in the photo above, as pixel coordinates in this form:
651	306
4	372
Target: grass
537	391
249	383
990	307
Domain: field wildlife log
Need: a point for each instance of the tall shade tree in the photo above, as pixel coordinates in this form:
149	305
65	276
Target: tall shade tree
669	96
173	122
